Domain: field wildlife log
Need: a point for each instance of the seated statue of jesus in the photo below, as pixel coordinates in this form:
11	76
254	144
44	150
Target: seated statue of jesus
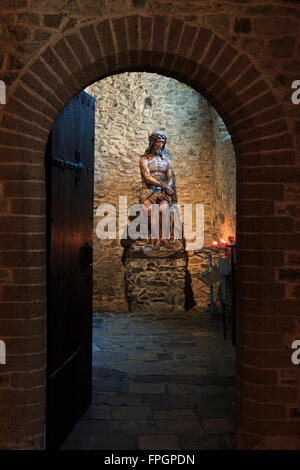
156	172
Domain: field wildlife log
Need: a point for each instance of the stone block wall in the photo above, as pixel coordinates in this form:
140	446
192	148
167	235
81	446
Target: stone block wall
129	107
224	191
156	284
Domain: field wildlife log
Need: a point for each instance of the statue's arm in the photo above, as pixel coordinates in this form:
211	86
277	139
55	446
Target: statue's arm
169	174
147	175
169	189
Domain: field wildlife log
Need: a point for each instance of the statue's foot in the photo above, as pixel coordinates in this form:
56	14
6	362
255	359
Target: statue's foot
157	244
166	243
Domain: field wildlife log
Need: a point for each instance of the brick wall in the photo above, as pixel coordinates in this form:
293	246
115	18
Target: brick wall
242	56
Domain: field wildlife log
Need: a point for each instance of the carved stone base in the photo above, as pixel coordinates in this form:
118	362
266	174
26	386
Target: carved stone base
155	284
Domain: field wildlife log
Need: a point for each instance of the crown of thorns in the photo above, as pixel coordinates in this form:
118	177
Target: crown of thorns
157	135
152	139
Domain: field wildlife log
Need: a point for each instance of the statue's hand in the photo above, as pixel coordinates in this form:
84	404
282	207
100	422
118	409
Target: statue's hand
159	196
169	190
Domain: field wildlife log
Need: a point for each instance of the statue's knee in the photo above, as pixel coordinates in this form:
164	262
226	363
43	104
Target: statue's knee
164	208
148	209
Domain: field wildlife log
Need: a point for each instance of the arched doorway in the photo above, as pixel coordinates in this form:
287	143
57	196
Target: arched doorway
189	343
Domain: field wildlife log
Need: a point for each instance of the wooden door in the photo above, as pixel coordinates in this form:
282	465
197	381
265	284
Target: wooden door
69	162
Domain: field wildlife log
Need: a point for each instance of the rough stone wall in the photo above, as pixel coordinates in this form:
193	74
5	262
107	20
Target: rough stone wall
129	107
224	191
156	285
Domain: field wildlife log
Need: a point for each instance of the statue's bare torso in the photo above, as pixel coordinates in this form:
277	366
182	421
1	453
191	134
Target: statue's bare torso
157	167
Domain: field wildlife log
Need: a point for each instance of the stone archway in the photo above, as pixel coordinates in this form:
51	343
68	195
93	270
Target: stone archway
256	122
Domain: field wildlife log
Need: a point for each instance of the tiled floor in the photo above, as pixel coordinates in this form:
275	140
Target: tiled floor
160	382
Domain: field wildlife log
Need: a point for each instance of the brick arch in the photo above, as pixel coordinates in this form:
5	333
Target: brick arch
243	98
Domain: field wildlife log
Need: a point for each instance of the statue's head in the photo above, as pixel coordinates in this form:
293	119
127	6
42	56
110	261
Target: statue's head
157	135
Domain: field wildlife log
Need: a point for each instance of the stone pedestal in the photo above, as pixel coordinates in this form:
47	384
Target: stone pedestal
155	284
